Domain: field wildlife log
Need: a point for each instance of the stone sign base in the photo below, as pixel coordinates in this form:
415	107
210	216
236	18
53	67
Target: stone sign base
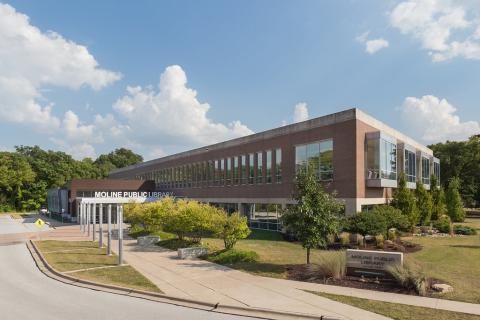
190	253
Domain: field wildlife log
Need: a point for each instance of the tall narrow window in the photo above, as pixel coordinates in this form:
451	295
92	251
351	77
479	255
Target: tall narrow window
300	157
235	170
268	166
425	170
278	165
410	166
326	160
251	168
229	171
313	158
243	169
259	167
222	172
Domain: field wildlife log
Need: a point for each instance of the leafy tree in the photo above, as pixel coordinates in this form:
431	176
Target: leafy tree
404	200
234	227
15	175
454	201
393	217
316	214
461	159
424	203
438	199
368	223
118	158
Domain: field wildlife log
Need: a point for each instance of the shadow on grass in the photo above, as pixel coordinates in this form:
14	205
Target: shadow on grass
464	246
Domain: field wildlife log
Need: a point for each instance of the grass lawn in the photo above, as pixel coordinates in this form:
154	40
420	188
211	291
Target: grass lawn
399	311
455	260
77	255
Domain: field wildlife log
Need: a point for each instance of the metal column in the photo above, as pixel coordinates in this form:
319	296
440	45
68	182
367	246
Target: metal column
94	217
100	225
120	234
88	218
109	230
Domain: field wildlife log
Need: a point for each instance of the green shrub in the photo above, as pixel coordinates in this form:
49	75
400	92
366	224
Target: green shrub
233	256
465	230
443	224
393	216
368	223
136	231
344	238
332	264
392	234
360	240
410	278
232	228
379	239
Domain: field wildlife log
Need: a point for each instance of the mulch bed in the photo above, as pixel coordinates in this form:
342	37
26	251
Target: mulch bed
302	273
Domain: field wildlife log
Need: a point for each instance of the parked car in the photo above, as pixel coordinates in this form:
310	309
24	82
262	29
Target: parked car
43	210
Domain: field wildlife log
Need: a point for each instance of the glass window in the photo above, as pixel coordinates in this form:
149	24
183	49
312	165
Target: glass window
259	167
278	165
268	166
243	169
222	172
381	159
373	165
263	216
229	171
313	157
436	171
235	170
251	168
300	157
410	166
326	160
425	170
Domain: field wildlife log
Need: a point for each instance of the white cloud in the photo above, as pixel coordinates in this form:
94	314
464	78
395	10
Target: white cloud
300	112
172	116
372	45
441	26
435	120
31	59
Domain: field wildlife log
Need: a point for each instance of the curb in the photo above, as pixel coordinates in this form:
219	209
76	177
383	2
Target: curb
50	272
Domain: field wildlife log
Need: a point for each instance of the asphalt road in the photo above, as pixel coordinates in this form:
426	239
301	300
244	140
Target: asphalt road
26	293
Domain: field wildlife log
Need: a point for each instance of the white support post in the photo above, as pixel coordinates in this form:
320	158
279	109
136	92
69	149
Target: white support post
80	213
89	207
109	230
120	234
94	218
100	225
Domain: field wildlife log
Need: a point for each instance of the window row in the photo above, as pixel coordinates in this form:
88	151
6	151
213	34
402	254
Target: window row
317	157
253	168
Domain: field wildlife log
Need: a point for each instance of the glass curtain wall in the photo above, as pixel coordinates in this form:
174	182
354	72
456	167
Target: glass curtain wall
317	157
381	159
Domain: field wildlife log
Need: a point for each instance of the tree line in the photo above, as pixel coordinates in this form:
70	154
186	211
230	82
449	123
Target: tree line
461	160
28	172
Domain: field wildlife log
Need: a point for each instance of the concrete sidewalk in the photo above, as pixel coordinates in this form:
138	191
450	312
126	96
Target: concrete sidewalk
206	281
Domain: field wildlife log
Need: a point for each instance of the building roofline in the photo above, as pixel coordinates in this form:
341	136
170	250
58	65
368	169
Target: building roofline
338	117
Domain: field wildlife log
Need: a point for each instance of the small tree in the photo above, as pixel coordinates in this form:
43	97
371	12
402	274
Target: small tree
424	203
233	228
438	199
454	201
368	223
404	200
316	214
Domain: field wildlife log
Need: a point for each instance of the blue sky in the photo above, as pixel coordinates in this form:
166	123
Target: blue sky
251	61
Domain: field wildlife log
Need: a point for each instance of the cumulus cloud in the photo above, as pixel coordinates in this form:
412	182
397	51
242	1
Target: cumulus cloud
300	112
372	45
172	115
434	120
30	60
441	26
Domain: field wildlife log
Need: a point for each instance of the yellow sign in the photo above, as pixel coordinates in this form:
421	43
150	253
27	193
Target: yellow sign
39	223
